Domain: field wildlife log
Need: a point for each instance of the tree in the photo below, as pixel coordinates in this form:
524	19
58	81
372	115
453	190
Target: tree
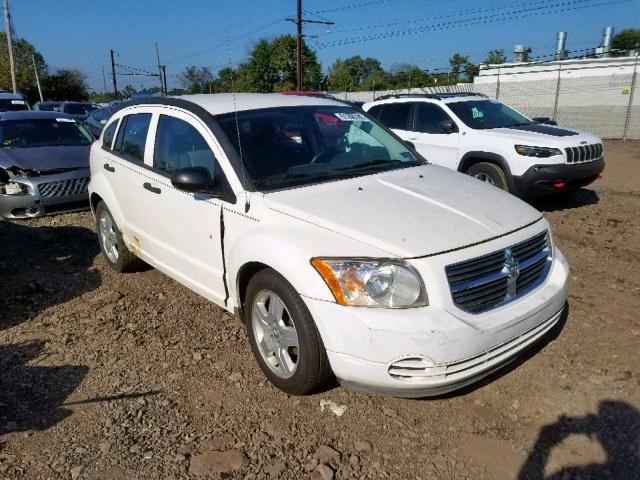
283	62
196	80
457	63
495	56
526	55
356	73
628	39
128	91
25	76
261	72
66	84
405	75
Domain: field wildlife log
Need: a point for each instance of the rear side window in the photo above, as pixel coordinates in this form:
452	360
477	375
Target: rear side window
132	136
396	115
107	137
375	111
180	145
428	118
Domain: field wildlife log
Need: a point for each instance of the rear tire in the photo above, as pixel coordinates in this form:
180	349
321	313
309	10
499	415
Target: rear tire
283	335
113	248
489	173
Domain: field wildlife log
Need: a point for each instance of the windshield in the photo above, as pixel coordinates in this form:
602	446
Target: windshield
79	108
288	146
43	132
483	114
48	107
8	105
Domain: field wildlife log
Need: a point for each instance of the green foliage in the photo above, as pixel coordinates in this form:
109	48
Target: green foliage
356	73
25	76
65	84
495	56
628	39
196	80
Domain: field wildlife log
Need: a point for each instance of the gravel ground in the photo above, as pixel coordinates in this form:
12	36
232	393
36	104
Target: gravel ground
107	376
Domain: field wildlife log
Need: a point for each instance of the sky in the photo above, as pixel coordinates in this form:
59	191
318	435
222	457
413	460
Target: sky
217	33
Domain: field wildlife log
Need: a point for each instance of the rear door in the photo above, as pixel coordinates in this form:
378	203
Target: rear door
397	117
185	228
430	140
128	168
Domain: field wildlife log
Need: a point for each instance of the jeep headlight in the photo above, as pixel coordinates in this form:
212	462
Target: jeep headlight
12	188
539	152
372	282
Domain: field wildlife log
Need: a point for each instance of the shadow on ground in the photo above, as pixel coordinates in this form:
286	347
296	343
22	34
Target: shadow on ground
41	267
566	201
616	427
31	397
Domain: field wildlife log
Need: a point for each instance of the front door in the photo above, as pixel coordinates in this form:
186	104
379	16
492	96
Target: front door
185	227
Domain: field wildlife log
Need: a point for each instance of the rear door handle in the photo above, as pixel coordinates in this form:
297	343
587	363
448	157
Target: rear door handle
151	188
109	168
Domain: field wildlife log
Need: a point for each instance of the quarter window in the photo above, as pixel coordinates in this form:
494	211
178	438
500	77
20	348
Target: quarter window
396	115
132	136
428	118
180	145
109	132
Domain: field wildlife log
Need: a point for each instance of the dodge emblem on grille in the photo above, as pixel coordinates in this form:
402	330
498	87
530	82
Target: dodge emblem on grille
512	269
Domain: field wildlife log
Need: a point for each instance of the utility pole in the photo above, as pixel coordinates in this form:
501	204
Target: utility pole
104	80
164	79
162	92
35	70
299	21
7	22
113	74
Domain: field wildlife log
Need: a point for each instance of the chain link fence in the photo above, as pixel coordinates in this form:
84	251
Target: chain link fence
600	97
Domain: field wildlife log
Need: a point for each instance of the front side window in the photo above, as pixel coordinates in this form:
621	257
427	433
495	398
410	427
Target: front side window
43	132
180	145
302	145
396	115
109	132
484	114
132	136
428	118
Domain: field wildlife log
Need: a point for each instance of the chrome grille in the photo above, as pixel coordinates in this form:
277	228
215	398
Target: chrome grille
487	282
584	153
63	188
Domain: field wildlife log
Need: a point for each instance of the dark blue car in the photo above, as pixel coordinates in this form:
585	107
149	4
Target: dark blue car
44	163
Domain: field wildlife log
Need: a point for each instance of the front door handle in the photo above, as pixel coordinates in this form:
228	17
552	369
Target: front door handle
151	188
109	168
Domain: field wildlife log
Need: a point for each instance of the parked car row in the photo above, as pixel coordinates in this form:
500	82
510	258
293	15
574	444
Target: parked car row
329	230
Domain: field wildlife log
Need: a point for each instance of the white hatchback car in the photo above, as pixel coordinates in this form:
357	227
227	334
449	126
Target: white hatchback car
340	249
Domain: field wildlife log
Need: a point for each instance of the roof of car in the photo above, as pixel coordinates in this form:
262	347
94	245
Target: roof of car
32	114
219	103
11	96
442	97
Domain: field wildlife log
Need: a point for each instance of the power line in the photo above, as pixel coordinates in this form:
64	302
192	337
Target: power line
485	19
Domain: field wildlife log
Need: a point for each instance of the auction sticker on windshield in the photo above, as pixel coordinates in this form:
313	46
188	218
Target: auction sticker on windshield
65	120
351	117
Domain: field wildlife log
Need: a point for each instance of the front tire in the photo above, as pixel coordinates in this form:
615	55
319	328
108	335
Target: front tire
489	173
113	248
283	335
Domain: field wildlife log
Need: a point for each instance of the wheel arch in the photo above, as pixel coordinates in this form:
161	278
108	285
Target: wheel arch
472	158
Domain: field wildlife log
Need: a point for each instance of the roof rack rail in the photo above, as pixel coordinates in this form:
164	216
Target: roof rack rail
436	96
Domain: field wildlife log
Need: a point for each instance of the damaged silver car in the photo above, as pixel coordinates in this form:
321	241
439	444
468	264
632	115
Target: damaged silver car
44	164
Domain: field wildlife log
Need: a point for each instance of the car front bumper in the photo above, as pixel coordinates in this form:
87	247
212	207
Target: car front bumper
47	194
429	351
545	179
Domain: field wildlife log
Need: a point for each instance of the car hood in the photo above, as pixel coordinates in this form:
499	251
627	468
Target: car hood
45	158
544	136
410	212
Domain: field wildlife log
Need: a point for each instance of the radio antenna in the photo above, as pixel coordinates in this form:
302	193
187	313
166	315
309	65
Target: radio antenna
247	203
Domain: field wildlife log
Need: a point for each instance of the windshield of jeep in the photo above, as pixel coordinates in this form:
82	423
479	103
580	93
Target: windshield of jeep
288	146
485	114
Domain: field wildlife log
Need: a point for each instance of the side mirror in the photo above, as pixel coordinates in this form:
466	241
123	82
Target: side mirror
195	180
447	126
545	120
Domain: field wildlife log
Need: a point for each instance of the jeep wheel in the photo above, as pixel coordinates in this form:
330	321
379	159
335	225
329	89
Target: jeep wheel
283	336
489	173
113	248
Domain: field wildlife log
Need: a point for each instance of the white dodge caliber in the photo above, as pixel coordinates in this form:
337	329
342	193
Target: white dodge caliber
342	251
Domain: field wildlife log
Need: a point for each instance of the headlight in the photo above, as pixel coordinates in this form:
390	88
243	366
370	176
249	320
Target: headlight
12	188
372	282
539	152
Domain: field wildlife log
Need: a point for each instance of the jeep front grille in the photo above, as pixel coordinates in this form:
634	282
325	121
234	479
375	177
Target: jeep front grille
63	188
584	153
500	277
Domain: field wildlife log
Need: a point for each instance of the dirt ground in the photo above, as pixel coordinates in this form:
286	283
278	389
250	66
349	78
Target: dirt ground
107	376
